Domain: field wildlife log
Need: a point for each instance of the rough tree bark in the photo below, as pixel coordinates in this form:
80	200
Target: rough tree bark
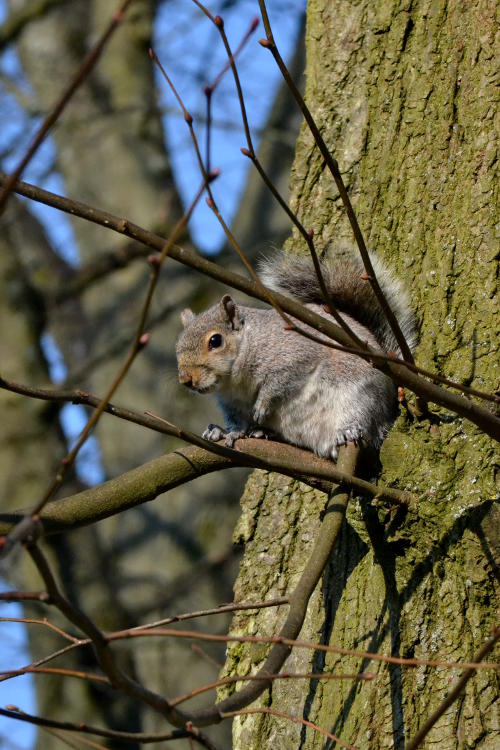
403	93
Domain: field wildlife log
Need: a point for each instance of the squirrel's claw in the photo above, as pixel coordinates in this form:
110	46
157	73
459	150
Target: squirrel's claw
260	412
256	432
214	433
350	435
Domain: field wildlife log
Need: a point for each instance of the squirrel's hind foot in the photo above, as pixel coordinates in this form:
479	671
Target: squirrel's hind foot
353	435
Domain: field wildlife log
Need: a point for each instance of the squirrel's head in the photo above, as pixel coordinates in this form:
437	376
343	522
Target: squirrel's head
208	345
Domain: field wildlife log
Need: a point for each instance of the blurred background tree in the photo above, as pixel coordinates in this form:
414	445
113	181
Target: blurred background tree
122	144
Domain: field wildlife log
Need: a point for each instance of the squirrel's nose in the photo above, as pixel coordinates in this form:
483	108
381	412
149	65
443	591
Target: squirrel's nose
186	379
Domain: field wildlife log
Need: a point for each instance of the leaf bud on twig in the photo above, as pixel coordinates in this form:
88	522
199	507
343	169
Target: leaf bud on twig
144	340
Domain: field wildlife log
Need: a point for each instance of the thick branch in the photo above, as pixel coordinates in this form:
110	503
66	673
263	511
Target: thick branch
299	599
146	482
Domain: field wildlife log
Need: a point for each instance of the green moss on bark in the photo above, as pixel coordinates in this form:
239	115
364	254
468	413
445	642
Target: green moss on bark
403	93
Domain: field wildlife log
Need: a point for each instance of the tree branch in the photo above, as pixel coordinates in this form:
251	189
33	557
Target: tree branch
332	164
77	79
141	737
455	691
403	373
146	482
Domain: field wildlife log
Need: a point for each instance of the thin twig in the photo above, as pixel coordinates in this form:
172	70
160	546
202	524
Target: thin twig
289	717
100	644
197	649
24	596
402	372
203	169
295	643
44	623
308	237
78	78
234	607
281	676
61	671
210	88
144	737
222	609
52	656
28	525
66	739
455	691
269	43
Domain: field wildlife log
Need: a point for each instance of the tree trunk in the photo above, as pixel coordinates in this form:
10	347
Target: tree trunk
403	94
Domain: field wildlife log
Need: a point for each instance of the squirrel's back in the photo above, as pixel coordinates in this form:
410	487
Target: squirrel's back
296	276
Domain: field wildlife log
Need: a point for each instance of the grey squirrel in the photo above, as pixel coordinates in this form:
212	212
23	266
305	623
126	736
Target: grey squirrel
270	380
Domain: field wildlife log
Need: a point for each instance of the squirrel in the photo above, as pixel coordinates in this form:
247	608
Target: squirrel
270	381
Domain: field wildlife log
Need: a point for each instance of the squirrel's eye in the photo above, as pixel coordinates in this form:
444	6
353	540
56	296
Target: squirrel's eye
215	341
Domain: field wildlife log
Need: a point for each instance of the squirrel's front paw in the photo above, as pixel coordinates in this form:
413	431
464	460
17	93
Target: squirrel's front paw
351	435
214	433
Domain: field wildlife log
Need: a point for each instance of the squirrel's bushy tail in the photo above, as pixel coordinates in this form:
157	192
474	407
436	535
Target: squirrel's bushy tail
295	276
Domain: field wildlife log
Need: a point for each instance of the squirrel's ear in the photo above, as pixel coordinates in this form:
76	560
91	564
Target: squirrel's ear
231	312
187	316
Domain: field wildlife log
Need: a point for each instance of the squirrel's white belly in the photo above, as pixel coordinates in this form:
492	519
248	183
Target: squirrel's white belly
326	411
319	416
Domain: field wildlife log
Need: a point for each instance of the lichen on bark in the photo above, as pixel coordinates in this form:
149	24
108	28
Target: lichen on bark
403	94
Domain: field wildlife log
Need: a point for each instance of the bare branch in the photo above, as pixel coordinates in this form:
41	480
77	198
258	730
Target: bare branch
145	483
100	643
455	691
144	737
289	717
297	643
24	596
89	676
333	166
27	527
76	81
326	676
402	372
